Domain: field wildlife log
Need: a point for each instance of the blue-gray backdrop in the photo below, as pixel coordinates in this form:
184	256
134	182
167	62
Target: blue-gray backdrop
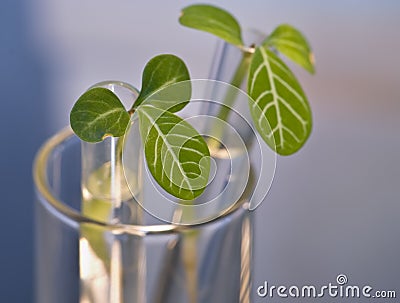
333	208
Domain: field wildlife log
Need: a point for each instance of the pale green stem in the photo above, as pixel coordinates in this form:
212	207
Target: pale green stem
189	256
190	239
240	74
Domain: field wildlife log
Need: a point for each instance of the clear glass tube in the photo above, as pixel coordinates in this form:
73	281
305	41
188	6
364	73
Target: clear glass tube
221	247
87	254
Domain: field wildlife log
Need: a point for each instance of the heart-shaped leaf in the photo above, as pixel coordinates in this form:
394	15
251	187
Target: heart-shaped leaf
279	108
160	72
98	113
292	43
213	20
176	154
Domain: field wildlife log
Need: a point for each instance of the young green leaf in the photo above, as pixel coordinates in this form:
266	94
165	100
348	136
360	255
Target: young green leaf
172	97
280	109
214	20
292	43
160	72
176	154
98	113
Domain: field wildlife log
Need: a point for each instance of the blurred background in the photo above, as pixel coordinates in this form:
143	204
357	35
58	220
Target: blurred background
333	208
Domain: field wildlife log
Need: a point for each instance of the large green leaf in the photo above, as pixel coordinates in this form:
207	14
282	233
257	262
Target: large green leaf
176	154
279	108
292	43
98	113
214	20
159	73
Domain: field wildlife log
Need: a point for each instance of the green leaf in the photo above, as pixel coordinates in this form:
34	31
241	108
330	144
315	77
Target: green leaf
214	20
279	108
160	72
176	154
292	43
97	114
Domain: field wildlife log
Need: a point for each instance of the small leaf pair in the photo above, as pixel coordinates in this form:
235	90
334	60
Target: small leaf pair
177	156
278	105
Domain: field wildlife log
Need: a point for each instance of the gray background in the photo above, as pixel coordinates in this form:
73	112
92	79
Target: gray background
333	208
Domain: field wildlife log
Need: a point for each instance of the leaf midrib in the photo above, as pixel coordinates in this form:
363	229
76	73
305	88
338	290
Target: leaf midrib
274	94
102	116
176	161
300	47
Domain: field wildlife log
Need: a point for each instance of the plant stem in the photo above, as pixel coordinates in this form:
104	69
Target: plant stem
189	239
240	73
